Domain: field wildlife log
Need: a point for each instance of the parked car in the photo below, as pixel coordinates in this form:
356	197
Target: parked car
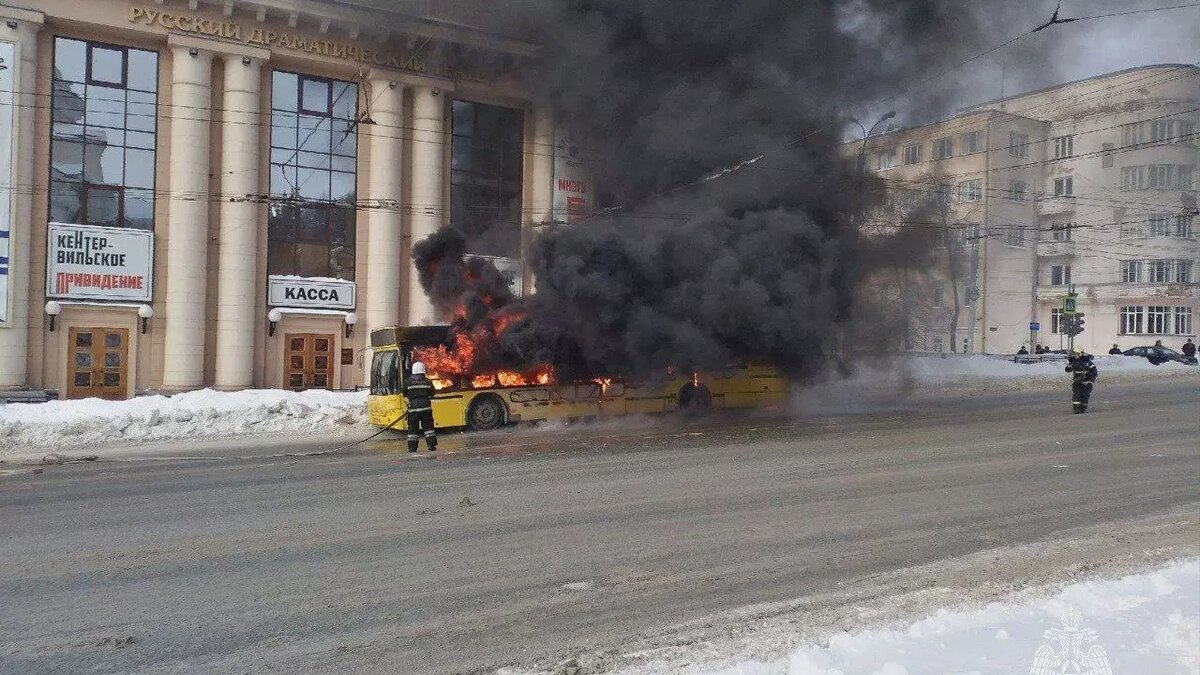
1160	355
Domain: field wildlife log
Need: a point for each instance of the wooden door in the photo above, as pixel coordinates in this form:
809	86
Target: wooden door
308	363
98	363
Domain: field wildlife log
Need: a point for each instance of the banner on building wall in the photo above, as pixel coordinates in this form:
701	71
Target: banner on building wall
8	74
317	293
510	268
87	262
573	192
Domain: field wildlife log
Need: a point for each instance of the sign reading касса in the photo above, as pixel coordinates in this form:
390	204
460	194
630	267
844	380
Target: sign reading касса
87	262
287	291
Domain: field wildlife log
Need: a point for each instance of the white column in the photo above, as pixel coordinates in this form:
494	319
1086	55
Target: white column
383	216
541	189
18	219
428	189
542	168
187	218
238	253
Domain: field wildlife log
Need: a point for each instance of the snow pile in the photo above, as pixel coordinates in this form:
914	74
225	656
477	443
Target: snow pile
87	423
934	368
1144	623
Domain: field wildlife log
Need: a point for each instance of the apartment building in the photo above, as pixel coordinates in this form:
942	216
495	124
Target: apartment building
1089	184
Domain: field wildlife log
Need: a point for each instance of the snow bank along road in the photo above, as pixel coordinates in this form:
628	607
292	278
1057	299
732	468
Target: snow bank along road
528	546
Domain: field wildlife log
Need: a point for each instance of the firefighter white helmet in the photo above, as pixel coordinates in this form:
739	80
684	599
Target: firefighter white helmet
418	368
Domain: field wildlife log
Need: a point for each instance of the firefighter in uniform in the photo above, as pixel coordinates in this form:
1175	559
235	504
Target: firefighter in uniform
419	391
1083	378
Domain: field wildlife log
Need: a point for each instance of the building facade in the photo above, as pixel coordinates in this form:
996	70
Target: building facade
225	193
1088	185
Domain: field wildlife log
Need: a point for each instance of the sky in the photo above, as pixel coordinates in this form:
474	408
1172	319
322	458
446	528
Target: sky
1084	48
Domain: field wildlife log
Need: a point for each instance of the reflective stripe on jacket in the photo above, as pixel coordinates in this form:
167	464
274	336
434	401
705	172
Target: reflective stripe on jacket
419	391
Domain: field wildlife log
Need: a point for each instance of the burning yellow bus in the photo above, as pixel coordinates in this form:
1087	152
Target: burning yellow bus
490	400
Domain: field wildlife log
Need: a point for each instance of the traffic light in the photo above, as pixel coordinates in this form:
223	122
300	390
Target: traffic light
1075	324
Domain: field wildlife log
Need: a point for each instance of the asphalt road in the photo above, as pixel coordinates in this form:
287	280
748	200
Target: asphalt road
521	546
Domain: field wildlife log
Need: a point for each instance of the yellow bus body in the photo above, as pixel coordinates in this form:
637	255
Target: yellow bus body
744	387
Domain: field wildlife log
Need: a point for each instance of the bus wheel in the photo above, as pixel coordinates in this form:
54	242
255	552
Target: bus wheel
694	399
486	412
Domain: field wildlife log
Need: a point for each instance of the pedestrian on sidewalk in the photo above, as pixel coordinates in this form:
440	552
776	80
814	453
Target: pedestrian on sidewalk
1189	349
1115	351
419	392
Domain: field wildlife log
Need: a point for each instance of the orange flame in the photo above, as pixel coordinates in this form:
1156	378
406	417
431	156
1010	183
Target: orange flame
457	363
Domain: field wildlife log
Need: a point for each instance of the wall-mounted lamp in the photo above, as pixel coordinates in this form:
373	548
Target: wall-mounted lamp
193	51
11	23
145	312
273	318
53	309
245	60
351	319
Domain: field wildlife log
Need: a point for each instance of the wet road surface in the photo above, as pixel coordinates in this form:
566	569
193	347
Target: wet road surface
519	546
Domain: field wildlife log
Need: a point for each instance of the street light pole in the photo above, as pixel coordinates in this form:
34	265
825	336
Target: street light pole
862	151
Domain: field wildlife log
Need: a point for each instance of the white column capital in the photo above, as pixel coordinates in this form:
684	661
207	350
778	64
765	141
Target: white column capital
27	19
407	79
177	41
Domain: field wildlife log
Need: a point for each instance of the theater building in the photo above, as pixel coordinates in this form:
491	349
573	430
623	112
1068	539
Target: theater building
225	193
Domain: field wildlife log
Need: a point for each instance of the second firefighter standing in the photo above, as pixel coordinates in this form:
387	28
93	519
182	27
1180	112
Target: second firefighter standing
1083	377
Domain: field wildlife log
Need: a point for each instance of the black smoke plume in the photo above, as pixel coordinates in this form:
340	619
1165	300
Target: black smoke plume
759	256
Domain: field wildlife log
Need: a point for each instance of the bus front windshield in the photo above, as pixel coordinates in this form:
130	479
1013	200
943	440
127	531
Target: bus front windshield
385	373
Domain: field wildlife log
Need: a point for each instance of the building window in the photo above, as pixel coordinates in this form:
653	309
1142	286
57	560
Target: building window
1183	271
970	142
314	148
1158	271
1064	187
1060	275
1160	131
912	153
970	234
886	159
1018	144
1132	271
1106	157
1183	321
1063	146
1131	134
1187	132
1183	226
1131	319
1057	325
939	294
485	178
1061	231
1133	177
104	111
1157	317
1160	176
1016	190
1015	236
943	148
970	190
1168	176
1158	225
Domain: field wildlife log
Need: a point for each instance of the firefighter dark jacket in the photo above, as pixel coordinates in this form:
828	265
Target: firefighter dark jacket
418	389
1082	369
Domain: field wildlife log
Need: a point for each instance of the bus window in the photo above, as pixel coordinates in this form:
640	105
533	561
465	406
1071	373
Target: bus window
385	375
